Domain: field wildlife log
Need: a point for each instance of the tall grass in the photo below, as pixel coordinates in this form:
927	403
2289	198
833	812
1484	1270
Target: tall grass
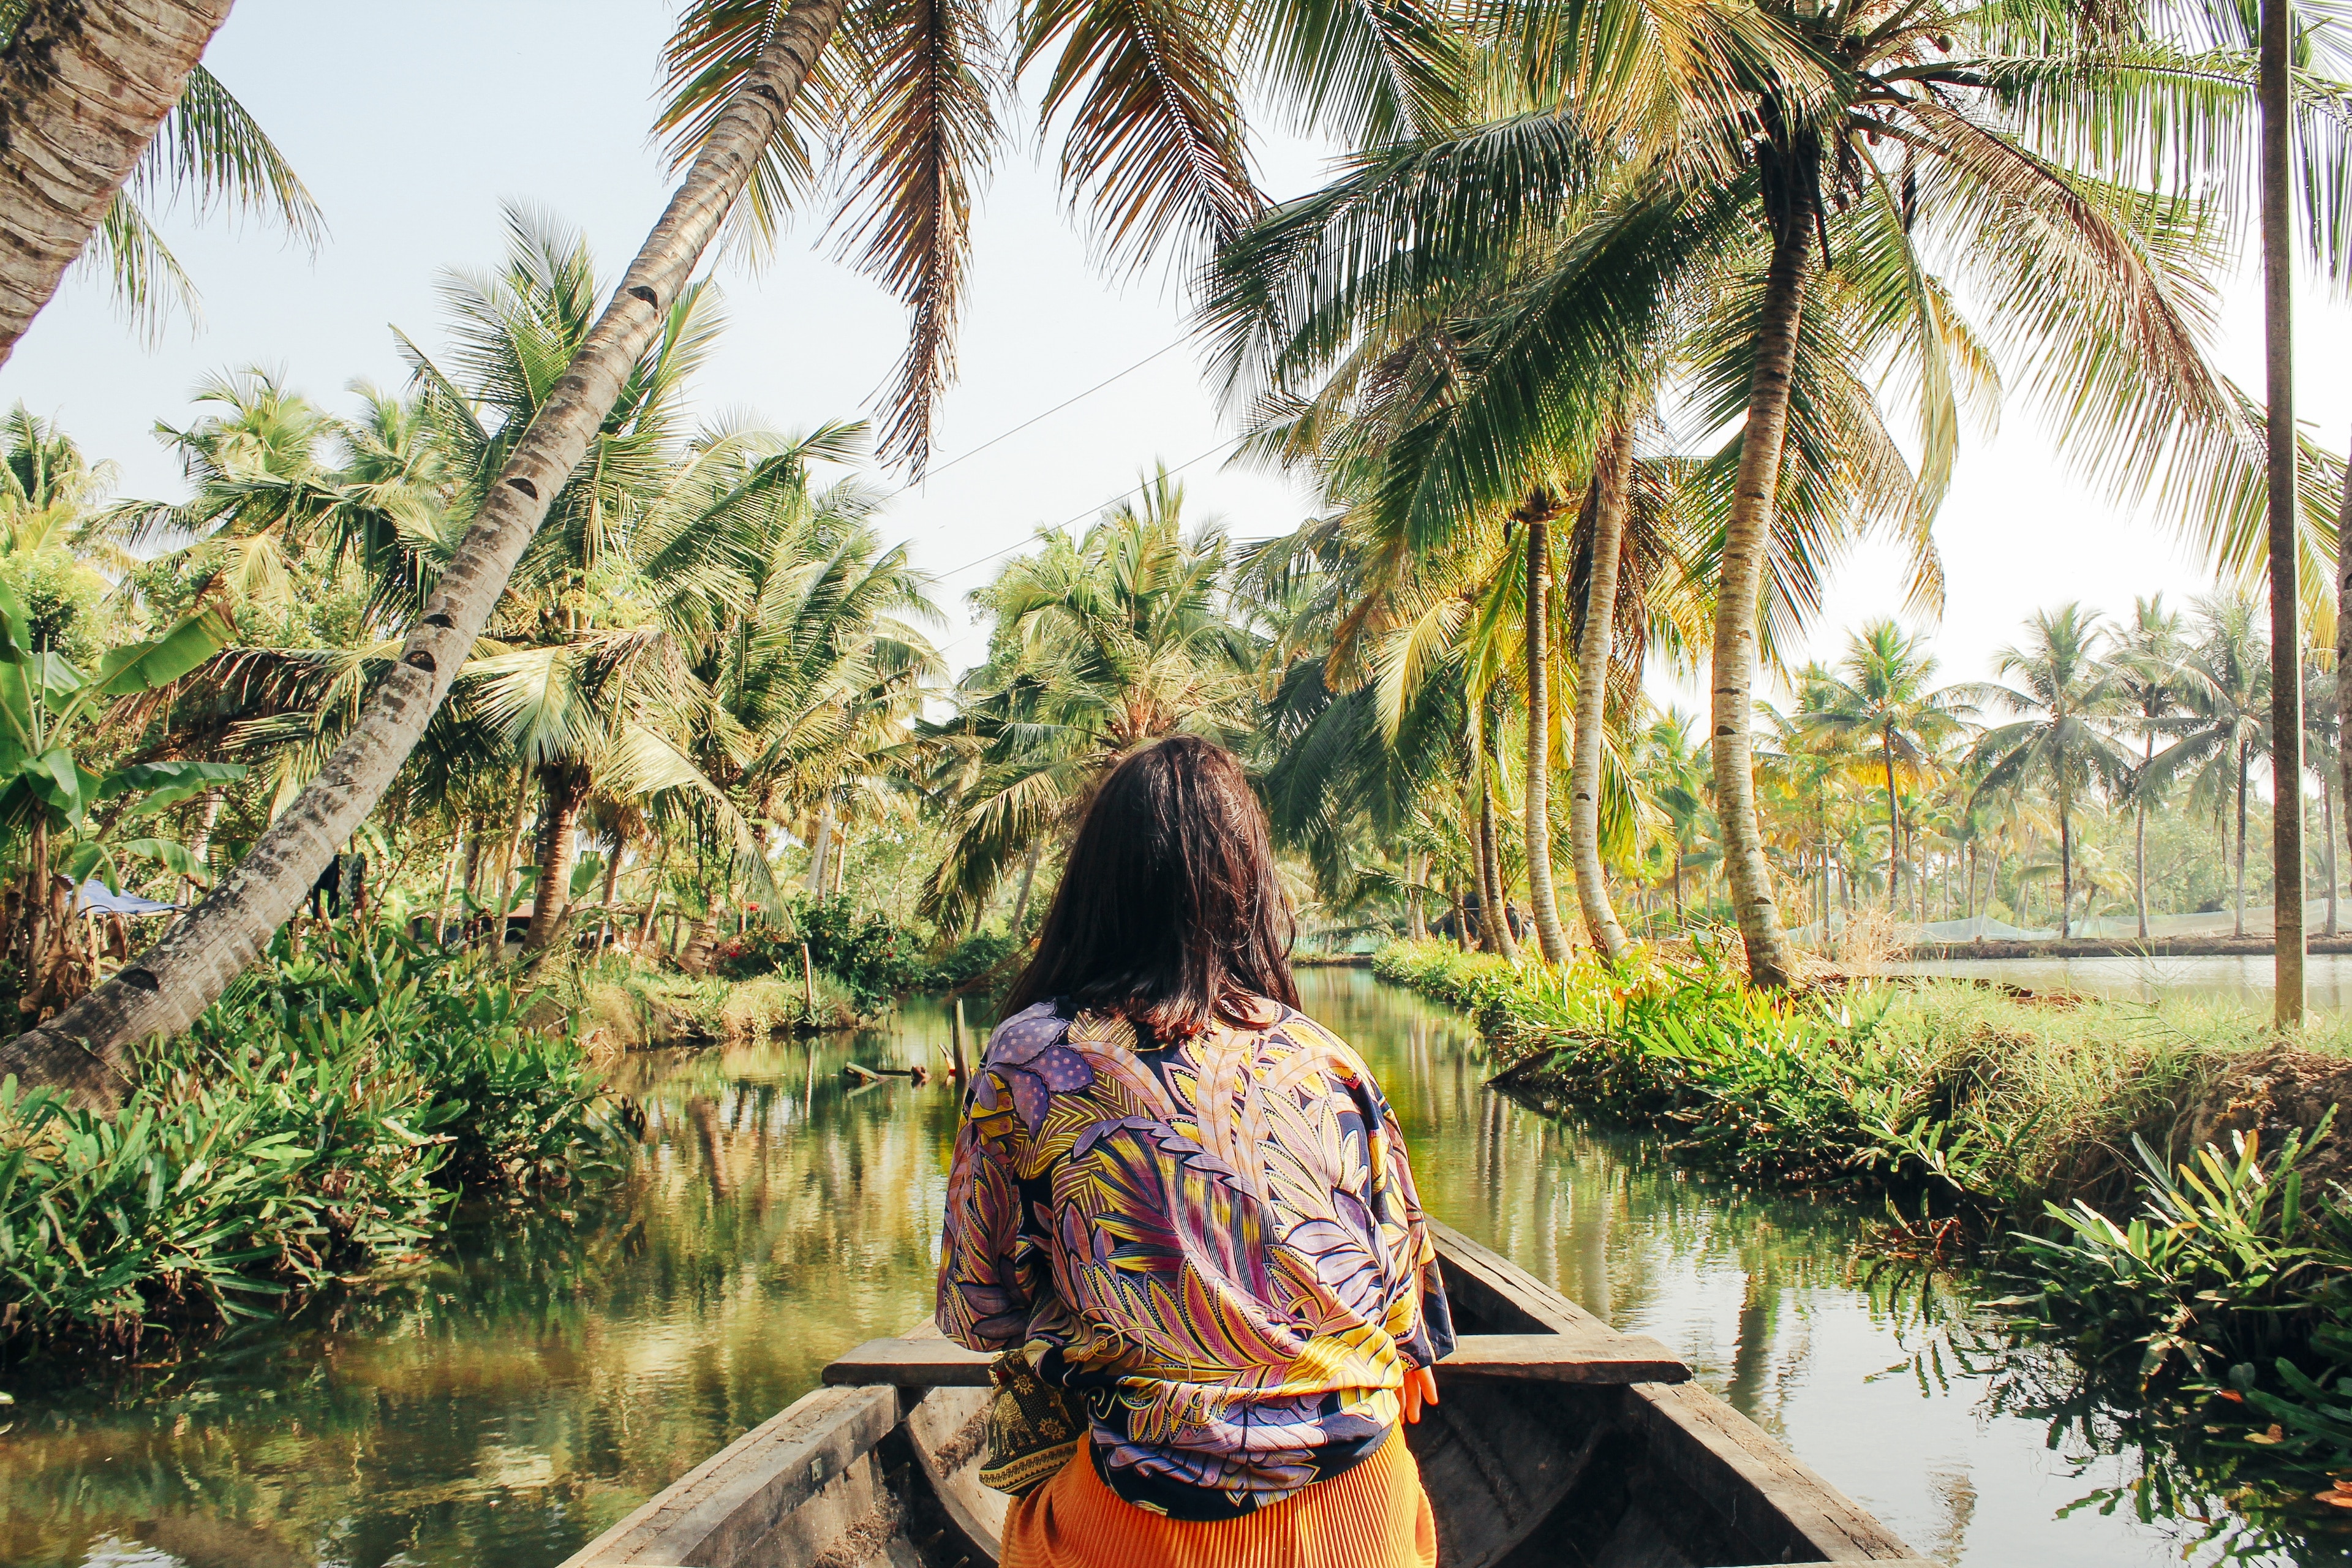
321	1116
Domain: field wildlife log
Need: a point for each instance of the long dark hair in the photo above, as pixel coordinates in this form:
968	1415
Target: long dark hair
1169	912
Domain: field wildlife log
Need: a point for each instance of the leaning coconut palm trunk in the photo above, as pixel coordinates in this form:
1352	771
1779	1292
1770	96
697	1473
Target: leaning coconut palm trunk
164	989
1542	901
1612	483
1747	541
83	87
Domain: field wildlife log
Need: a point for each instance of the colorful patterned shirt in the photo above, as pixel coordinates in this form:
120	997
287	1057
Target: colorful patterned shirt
1215	1243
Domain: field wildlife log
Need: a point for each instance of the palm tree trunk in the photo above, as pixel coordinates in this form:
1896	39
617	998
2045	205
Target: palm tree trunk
2342	661
1416	911
2286	633
2139	835
37	910
1541	897
704	940
1611	486
2065	865
653	907
2327	821
448	881
612	886
1894	825
510	863
83	88
201	847
1021	900
822	847
163	990
566	787
2239	928
1739	587
1821	819
1495	912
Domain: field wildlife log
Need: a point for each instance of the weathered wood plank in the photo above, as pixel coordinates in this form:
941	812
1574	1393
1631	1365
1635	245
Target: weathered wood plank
777	1475
1563	1358
1589	1357
910	1363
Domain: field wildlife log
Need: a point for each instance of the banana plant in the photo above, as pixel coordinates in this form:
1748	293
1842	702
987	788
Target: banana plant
48	712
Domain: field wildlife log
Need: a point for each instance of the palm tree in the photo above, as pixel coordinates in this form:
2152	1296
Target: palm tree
2149	657
1884	695
284	493
2226	722
1673	780
1928	153
1153	142
84	88
2323	739
1610	498
1102	644
2070	692
809	672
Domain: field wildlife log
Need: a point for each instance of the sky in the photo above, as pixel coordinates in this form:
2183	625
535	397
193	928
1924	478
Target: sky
415	125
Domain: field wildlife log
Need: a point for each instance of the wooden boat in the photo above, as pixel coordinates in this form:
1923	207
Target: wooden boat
1559	1443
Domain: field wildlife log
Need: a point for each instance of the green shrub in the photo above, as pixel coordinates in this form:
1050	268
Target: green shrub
320	1116
2229	1261
982	958
1981	1103
872	959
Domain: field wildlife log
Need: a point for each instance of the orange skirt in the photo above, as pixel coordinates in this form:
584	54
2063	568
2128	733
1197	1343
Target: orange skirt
1373	1515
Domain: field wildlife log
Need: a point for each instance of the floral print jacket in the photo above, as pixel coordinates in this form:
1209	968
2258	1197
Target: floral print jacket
1215	1243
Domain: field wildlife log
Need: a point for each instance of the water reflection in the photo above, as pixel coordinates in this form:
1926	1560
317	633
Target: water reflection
507	1402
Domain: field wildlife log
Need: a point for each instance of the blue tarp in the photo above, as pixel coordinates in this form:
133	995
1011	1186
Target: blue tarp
96	900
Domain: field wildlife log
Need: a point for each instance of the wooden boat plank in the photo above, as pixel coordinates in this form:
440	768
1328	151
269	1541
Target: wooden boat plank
1585	1356
723	1508
948	1430
1762	1490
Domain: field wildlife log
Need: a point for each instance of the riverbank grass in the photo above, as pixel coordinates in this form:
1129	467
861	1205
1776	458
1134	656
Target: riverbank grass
1965	1097
2202	1271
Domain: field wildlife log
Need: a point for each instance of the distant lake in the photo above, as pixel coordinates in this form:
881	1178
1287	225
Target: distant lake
2241	979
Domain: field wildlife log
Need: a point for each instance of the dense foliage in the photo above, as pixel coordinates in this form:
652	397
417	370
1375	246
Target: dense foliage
322	1116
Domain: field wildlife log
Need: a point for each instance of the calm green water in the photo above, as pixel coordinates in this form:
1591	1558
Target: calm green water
506	1405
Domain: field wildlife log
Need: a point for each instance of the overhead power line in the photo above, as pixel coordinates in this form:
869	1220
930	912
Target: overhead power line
1091	511
1007	434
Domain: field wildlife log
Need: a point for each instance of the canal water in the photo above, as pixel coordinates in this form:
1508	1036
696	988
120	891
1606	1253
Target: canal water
548	1371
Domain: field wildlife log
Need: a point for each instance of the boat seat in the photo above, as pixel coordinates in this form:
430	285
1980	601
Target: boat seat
1599	1356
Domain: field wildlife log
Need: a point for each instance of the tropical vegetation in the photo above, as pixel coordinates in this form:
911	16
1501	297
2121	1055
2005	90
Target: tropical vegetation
475	728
